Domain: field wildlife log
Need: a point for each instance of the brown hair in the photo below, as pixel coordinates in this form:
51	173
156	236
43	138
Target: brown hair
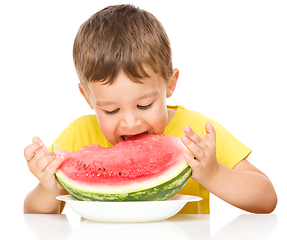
121	38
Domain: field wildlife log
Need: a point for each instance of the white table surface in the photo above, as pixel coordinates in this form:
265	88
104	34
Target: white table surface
180	227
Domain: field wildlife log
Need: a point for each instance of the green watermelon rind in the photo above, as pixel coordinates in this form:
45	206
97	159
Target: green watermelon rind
160	192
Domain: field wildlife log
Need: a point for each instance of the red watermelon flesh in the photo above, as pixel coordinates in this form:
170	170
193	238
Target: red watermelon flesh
139	163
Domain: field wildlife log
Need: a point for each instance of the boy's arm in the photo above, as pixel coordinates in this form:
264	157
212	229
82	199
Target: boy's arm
39	200
244	186
43	164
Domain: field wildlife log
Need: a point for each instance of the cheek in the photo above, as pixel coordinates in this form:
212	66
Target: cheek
159	119
106	124
108	129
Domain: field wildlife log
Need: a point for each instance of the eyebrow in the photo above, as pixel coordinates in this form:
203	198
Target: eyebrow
147	95
105	103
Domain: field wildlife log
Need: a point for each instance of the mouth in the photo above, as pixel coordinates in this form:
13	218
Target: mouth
126	137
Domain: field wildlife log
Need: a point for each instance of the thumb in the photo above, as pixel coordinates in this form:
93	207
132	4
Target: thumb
39	141
210	132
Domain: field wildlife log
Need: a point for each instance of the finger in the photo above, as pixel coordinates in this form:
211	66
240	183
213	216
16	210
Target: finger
210	132
44	149
39	162
38	140
192	162
200	145
194	137
47	177
193	148
54	165
43	163
31	150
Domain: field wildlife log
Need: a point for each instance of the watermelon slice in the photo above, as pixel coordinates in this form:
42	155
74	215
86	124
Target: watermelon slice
142	168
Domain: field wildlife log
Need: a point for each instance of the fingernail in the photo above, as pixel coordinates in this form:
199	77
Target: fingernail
187	129
183	138
41	144
210	124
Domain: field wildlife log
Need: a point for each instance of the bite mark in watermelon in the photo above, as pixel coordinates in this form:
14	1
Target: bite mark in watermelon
142	168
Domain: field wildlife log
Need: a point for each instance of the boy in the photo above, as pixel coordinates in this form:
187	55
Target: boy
122	56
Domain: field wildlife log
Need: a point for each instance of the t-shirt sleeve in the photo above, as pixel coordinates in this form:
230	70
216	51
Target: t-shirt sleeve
229	150
84	131
66	140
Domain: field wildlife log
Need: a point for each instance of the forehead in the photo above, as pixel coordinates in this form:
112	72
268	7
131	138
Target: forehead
124	88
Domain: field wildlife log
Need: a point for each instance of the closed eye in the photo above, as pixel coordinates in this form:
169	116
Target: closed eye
144	107
112	112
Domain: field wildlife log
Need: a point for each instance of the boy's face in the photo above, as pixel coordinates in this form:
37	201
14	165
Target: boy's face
126	108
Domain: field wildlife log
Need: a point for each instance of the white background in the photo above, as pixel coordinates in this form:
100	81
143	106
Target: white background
232	57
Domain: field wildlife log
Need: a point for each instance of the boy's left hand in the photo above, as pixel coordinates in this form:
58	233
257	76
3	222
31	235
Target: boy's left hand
205	165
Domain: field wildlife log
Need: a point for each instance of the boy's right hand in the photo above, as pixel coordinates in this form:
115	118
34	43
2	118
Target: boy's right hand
43	164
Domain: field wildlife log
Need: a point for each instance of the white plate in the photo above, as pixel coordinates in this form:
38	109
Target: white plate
139	211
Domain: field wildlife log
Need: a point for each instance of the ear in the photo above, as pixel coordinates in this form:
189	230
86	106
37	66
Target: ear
85	95
172	83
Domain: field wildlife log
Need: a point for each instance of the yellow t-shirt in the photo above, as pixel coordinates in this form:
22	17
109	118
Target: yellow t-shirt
85	131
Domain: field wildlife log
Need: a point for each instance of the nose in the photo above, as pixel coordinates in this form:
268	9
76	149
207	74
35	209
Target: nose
130	121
